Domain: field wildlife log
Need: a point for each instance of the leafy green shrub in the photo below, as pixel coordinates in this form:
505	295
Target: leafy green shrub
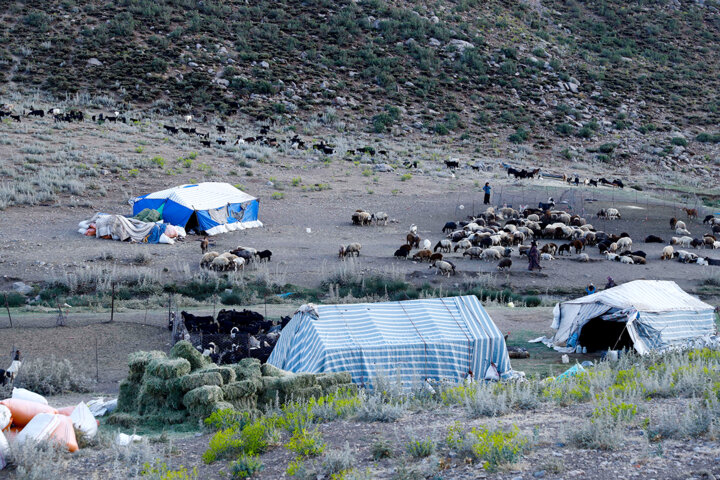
306	443
521	135
495	447
380	449
296	181
160	471
708	137
224	419
245	466
405	177
277	195
679	141
607	147
419	448
564	129
585	132
383	121
12	299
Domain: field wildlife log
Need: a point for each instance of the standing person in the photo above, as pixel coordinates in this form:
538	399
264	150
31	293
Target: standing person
533	257
487	189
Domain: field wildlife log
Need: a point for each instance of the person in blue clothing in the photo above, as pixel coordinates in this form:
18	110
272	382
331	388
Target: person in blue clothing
590	289
487	189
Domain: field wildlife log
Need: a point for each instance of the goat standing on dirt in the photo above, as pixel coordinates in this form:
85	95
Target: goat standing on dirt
204	245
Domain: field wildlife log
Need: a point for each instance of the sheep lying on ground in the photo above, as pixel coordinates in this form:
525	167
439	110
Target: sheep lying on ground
546	256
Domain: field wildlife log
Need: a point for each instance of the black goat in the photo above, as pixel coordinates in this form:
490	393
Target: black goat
449	227
452	164
265	255
169	128
36	113
220	128
196	323
653	239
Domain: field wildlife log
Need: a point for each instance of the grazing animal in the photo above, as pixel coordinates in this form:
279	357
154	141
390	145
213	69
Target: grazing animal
402	252
463	244
550	248
353	249
504	264
204	245
435	257
341	253
593	183
426	244
422	255
583	257
452	164
207	259
443	245
653	239
564	249
547	206
36	113
413	240
709	219
266	255
682	231
491	254
578	245
169	129
379	217
691	212
220	128
188	118
449	227
205	143
680	224
444	267
473	252
624	244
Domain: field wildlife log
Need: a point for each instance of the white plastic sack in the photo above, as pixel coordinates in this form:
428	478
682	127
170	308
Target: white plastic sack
492	373
84	225
180	231
5	417
23	394
165	239
4	450
123	439
39	428
83	419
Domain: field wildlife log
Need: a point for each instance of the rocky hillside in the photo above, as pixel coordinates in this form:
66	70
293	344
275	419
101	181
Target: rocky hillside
536	71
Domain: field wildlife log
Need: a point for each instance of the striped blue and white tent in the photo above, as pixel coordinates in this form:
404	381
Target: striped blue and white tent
211	207
652	315
440	339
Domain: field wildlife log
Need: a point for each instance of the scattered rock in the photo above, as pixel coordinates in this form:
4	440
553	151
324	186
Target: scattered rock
264	64
22	288
94	62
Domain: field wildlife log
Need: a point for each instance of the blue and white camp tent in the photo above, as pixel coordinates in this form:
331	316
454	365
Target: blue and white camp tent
650	315
440	339
212	207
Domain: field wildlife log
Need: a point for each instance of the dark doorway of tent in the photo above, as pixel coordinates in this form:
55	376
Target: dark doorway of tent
192	224
599	334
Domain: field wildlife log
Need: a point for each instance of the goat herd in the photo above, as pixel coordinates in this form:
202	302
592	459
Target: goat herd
496	234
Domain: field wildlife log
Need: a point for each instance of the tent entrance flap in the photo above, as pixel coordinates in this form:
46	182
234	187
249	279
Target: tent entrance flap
598	334
192	223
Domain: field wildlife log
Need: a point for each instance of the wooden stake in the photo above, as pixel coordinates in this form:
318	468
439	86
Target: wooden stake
97	368
112	302
7	307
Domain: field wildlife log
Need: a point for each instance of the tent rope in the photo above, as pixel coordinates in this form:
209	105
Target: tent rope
470	344
419	335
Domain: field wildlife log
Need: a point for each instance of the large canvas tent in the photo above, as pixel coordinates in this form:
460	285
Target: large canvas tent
212	207
649	315
440	339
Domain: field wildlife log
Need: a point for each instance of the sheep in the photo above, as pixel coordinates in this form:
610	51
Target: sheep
679	224
546	256
504	264
550	248
709	240
667	253
673	222
638	260
422	255
691	212
207	259
533	217
266	255
239	263
463	244
685	241
625	259
716	245
686	257
365	218
443	245
188	118
583	257
246	254
613	247
624	244
220	263
564	248
611	256
491	254
443	267
240	248
682	231
341	252
449	227
400	252
473	252
379	217
353	249
413	240
653	239
426	244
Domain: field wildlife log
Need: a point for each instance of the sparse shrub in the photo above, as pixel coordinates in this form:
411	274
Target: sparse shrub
564	129
245	466
338	460
52	376
277	195
160	471
224	419
521	135
496	447
483	401
708	137
139	149
420	448
376	409
405	177
12	299
142	258
687	423
381	448
596	434
607	147
296	181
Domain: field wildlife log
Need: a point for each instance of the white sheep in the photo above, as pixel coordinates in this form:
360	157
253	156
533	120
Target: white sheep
463	244
667	253
716	245
624	244
220	263
680	224
533	217
473	252
239	263
611	256
613	213
583	257
685	241
380	217
626	260
188	118
491	254
444	246
208	258
546	256
248	249
443	267
613	247
426	244
682	231
413	229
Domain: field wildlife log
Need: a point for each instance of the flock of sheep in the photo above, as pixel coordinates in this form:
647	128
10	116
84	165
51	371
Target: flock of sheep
233	260
497	233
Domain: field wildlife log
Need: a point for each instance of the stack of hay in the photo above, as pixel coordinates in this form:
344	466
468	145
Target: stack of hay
187	386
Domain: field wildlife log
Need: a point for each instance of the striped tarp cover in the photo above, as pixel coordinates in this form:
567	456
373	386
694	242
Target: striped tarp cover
440	339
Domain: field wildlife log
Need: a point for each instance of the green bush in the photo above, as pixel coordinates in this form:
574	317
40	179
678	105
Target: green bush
419	448
708	137
679	141
564	129
12	299
306	443
160	471
245	466
607	147
521	135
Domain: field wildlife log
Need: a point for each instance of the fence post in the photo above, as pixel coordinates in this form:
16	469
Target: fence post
7	307
112	302
97	368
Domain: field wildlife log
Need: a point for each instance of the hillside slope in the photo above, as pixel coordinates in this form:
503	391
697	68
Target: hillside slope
537	71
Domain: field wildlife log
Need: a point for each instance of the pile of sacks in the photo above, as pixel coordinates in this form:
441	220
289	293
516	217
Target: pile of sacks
186	386
26	416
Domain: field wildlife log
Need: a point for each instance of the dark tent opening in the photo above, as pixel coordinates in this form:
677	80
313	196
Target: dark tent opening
192	223
599	334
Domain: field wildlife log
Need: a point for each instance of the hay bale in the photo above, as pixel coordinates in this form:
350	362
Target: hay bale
167	368
176	392
155	386
245	404
199	379
137	361
184	349
227	373
271	391
127	396
236	390
268	370
167	417
204	395
329	379
247	368
125	420
201	411
305	393
293	382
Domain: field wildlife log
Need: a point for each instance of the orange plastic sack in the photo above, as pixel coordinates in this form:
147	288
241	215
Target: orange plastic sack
67	411
24	411
64	434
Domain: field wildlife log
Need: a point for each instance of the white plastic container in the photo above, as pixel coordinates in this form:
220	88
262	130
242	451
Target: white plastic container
565	359
612	355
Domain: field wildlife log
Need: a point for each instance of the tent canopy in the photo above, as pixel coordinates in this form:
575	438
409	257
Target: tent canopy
441	339
657	315
212	207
